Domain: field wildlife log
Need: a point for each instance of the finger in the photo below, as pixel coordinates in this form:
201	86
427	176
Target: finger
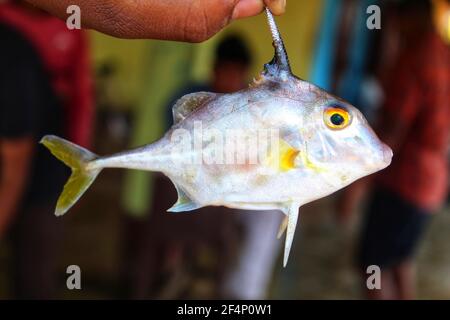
192	21
277	7
247	8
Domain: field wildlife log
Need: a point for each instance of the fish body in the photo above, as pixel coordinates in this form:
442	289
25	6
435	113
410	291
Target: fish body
278	144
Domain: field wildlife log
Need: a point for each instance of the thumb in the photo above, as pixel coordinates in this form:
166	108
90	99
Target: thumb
277	7
249	8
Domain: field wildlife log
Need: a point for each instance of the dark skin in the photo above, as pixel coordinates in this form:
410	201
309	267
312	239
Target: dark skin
190	21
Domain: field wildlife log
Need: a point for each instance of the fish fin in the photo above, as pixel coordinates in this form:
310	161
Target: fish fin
77	159
188	103
292	215
184	203
282	158
283	227
279	66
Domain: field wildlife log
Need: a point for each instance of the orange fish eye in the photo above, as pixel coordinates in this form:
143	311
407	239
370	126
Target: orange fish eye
336	118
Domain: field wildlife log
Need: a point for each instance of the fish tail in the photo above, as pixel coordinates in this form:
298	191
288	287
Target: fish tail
78	159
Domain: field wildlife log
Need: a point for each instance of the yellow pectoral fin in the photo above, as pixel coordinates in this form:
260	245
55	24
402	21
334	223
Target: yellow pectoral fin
287	159
283	157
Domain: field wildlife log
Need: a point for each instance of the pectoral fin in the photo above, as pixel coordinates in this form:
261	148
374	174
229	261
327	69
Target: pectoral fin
282	158
292	216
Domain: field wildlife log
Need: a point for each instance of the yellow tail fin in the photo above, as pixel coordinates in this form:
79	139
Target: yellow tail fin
77	158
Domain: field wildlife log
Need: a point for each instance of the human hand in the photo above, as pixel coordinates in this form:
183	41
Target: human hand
180	20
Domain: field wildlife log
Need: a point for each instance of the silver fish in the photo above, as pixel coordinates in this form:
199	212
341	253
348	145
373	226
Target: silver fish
292	143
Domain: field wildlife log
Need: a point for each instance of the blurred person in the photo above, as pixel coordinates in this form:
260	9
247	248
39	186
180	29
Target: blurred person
191	21
44	88
249	276
229	74
415	123
167	242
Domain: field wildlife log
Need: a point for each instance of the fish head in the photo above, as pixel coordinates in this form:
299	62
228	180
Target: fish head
339	142
335	143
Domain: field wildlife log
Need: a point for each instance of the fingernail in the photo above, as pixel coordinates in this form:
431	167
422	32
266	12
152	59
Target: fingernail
277	7
247	8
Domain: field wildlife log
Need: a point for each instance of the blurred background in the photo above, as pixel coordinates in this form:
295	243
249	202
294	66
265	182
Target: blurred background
110	94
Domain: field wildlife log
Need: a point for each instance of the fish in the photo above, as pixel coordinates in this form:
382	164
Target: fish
292	143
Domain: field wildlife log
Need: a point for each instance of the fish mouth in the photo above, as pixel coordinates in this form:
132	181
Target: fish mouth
384	157
387	155
381	160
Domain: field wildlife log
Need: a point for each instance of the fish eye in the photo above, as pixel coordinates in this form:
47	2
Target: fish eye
336	117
